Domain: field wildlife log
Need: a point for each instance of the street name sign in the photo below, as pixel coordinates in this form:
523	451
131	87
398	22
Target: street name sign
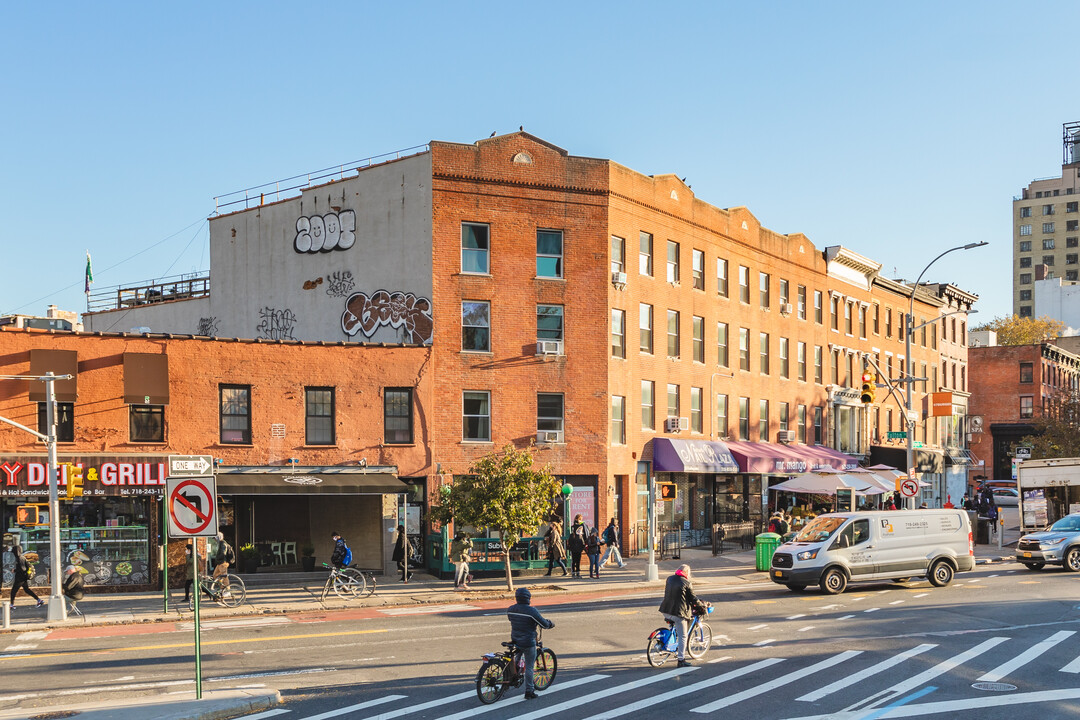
192	506
191	465
893	435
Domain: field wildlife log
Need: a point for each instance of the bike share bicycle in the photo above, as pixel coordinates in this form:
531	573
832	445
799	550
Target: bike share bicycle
227	590
663	643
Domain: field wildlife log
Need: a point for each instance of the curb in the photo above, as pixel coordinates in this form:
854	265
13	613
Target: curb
214	705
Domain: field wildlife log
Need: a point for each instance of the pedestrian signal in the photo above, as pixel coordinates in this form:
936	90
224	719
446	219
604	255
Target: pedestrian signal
668	491
26	515
868	383
74	481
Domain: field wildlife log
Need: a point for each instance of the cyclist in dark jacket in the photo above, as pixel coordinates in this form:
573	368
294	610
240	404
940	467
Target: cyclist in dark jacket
524	619
678	607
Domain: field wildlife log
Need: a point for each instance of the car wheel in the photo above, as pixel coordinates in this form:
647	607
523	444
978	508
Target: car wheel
1034	566
941	574
1071	560
833	582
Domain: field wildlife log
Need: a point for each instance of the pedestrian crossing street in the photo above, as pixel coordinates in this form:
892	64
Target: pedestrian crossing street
933	678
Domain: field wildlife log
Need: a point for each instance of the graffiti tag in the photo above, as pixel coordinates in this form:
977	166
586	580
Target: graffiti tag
339	284
276	324
366	315
323	233
208	326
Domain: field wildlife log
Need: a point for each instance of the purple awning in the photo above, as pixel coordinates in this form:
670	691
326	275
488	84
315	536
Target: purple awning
692	456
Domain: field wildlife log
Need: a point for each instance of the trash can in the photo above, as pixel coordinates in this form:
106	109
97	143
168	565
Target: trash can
982	535
973	522
766	545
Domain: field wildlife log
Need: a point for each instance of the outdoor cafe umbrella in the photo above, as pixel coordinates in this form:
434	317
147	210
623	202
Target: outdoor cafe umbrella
886	476
826	483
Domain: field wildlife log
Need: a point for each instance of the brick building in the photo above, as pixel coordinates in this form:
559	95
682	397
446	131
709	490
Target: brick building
1014	386
623	324
308	437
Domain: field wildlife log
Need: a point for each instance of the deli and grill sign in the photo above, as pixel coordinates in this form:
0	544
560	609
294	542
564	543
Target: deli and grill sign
103	475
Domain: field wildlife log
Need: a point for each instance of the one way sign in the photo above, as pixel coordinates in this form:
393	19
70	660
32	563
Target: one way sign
191	465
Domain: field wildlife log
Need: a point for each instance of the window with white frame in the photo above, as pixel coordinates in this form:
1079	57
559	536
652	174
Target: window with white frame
763	289
721	415
476	416
817	364
1025	212
549	322
783	299
549	414
695	410
800	415
1048	227
817	307
721	277
618	333
744	284
782	415
475	326
1025	230
645	328
763	421
618	254
744	349
699	339
744	418
763	353
648	405
801	295
645	254
1048	243
673	333
618	420
549	253
699	269
784	362
722	344
475	248
672	400
672	261
801	349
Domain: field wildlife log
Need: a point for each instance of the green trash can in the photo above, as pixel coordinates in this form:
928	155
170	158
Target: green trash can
766	545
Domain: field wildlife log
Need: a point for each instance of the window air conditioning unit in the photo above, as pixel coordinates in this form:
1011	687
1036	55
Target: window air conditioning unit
786	436
549	436
676	424
618	278
549	347
785	309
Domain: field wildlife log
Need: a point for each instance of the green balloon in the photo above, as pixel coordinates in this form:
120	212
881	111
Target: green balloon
567	489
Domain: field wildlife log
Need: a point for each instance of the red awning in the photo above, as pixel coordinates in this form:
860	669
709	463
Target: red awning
773	459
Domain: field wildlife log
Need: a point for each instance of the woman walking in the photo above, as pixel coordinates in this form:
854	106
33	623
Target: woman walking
556	551
22	577
576	545
592	549
400	556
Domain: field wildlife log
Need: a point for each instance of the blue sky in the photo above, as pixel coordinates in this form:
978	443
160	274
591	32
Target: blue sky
895	129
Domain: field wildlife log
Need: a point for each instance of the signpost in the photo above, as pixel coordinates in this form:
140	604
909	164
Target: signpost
909	487
191	506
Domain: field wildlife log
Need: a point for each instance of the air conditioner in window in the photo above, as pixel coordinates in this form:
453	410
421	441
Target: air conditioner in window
671	425
618	278
549	347
549	436
785	308
786	436
684	423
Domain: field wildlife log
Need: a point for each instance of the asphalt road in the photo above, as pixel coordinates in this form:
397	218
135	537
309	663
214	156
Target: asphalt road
877	651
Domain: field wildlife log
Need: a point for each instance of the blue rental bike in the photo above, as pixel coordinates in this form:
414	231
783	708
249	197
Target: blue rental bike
663	644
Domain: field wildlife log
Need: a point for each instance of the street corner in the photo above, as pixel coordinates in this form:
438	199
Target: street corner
214	705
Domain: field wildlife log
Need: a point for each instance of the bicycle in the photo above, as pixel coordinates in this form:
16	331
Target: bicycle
348	583
503	670
663	644
231	595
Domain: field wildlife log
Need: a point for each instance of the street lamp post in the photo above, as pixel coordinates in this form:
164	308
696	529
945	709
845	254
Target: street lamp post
57	607
909	376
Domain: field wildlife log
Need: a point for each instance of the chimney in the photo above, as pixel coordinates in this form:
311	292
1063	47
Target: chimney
51	312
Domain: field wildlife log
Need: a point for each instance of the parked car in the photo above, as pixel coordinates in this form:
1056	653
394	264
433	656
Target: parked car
1004	497
1058	544
994	484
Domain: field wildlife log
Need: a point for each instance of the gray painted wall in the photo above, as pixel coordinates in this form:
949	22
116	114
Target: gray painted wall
185	317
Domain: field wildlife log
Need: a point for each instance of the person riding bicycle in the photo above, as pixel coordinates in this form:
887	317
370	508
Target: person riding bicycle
678	607
342	555
524	619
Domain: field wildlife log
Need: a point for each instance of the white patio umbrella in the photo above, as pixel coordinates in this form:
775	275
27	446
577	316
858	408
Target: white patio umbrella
827	482
886	475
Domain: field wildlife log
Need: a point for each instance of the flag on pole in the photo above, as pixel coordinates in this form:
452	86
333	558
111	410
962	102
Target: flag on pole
89	273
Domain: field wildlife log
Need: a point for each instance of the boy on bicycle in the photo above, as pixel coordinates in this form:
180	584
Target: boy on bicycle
342	555
524	619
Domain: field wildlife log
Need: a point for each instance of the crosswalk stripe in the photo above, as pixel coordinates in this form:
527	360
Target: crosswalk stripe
980	703
1025	657
863	674
1073	667
352	708
473	712
652	702
779	682
422	706
944	667
265	714
584	699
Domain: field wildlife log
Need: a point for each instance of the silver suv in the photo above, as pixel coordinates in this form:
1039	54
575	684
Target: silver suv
1058	544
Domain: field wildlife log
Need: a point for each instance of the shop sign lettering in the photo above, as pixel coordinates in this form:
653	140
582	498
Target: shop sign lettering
134	476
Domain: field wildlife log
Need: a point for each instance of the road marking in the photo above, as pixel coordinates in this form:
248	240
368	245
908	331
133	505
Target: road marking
360	706
826	607
1025	657
952	707
897	602
680	693
762	602
219	624
521	698
627	612
922	595
945	666
427	609
796	617
1073	667
419	708
1028	582
869	610
720	659
861	597
871	671
758	627
267	714
778	682
993	576
846	617
808	627
764	642
17	648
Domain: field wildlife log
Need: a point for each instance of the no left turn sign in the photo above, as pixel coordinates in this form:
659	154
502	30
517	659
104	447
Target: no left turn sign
192	508
909	488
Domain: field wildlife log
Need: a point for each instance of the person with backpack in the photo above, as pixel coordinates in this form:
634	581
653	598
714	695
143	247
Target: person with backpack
22	576
524	619
223	558
611	539
576	544
592	549
342	555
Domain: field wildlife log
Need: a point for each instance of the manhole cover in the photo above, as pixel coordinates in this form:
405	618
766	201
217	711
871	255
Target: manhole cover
994	687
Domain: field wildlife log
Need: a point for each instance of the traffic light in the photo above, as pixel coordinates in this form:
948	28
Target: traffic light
26	515
74	481
868	383
668	491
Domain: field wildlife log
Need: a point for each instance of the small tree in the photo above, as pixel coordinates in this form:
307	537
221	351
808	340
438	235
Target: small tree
502	492
1057	432
1016	330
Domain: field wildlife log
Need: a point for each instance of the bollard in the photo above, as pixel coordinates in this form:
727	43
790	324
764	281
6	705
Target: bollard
1001	530
7	614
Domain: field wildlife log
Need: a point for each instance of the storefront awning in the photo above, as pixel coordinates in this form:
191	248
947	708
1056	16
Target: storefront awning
382	480
692	456
773	459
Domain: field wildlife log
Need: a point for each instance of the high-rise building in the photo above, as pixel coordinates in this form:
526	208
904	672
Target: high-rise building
1046	226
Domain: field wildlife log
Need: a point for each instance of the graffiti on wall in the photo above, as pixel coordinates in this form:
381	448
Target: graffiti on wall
323	233
276	324
398	310
339	284
208	326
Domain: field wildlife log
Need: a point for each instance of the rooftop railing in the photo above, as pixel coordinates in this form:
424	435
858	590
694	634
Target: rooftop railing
177	287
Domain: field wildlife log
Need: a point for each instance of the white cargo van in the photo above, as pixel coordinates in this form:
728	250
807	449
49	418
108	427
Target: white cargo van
838	548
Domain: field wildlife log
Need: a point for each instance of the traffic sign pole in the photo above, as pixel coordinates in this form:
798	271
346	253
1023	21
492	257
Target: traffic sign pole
197	589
